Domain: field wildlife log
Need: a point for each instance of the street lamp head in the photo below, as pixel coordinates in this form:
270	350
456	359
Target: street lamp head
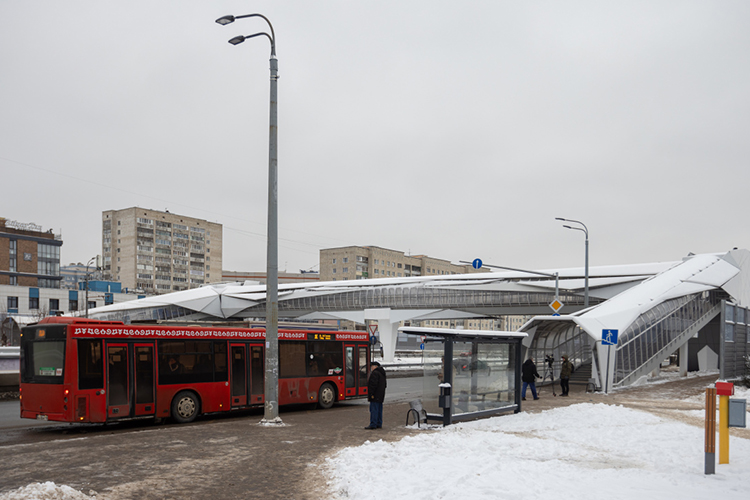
224	20
560	218
237	40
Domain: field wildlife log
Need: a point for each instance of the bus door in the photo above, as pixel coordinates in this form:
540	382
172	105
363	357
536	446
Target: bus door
257	374
238	371
118	381
351	377
144	379
364	366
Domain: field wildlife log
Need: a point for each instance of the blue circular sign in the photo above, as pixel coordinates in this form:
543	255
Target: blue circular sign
477	264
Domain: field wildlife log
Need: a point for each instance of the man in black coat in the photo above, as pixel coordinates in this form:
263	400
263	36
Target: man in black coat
376	385
528	377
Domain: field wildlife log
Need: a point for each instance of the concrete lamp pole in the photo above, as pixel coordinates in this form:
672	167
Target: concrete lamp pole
586	232
96	259
271	406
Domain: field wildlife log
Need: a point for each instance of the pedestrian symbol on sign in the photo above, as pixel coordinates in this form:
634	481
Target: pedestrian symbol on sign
609	337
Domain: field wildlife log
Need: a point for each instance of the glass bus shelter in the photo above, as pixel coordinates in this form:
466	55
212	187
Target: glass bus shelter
469	374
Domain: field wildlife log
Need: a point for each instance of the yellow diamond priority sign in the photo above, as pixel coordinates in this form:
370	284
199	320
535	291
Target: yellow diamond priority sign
556	305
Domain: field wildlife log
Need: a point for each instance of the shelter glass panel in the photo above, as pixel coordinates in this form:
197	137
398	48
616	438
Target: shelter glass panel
484	377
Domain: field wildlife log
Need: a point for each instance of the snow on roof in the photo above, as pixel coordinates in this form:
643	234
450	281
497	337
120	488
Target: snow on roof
458	332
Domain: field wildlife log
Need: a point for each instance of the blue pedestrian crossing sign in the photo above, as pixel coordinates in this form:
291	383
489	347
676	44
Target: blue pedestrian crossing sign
609	337
477	263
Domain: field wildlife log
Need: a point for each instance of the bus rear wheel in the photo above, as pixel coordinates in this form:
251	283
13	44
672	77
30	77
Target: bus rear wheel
185	407
326	396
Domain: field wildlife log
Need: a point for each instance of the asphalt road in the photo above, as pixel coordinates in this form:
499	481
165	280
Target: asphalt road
221	456
17	430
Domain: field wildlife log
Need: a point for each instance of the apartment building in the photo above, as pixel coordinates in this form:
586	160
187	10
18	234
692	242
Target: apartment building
354	263
160	252
29	256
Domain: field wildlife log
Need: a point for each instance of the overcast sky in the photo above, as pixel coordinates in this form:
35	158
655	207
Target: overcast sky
456	130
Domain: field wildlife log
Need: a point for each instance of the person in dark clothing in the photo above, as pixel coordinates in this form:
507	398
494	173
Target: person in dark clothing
566	370
528	377
376	385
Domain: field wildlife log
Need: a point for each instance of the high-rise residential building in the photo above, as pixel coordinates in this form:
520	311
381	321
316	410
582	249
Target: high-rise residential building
29	256
355	263
160	252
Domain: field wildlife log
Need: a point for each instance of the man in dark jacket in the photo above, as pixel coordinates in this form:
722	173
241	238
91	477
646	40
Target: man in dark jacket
376	385
528	377
566	370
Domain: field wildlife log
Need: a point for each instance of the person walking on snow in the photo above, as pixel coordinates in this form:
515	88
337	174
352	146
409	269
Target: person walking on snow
376	385
528	377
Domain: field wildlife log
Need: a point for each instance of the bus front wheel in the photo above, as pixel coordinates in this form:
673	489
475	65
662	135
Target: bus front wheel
185	407
326	396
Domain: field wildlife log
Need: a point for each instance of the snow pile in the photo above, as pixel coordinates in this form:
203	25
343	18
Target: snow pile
45	491
585	451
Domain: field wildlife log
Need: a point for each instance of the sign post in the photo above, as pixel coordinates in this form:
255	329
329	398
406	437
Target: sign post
724	390
710	446
609	338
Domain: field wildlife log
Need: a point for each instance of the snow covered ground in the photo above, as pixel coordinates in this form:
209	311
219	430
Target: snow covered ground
584	451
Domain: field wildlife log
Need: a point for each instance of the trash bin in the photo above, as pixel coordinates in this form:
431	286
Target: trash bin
444	399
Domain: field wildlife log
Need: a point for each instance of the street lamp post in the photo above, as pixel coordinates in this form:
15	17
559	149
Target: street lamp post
86	280
271	407
586	232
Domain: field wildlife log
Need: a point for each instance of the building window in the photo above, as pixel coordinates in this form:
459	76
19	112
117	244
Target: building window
54	305
729	332
33	302
334	270
334	261
13	304
345	270
346	259
72	305
13	250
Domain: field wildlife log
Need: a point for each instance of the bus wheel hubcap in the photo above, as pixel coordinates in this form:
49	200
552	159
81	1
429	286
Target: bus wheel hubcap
186	407
327	395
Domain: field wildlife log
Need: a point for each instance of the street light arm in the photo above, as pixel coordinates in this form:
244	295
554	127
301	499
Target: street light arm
239	39
229	19
585	229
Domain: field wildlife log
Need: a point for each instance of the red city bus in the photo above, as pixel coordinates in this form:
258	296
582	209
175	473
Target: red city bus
83	370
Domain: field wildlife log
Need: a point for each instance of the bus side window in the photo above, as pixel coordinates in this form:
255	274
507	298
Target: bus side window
90	365
292	359
221	374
